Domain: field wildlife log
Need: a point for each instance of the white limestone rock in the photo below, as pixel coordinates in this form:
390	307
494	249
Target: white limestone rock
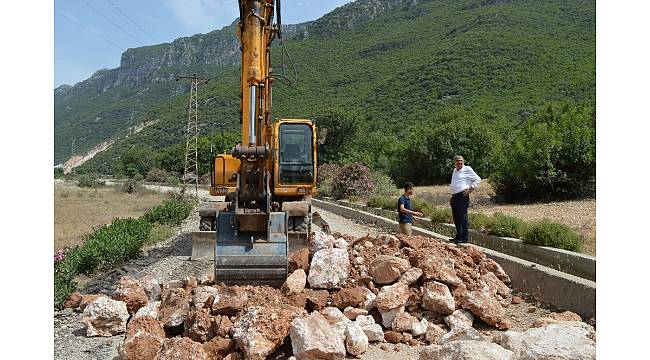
466	350
329	269
105	317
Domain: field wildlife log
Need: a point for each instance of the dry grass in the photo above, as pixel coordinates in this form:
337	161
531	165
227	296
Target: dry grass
77	211
579	215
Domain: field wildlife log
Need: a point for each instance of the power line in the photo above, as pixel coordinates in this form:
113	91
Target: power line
90	31
110	21
133	21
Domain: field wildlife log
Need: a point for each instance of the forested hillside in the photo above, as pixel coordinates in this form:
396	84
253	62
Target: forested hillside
400	84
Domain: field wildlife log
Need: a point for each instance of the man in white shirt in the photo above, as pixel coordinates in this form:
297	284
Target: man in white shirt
463	181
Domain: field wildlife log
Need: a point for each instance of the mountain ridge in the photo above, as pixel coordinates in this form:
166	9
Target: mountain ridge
505	59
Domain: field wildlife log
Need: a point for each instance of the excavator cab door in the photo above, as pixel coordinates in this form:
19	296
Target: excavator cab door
296	160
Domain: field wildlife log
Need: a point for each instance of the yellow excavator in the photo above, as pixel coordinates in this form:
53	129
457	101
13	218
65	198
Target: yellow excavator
268	179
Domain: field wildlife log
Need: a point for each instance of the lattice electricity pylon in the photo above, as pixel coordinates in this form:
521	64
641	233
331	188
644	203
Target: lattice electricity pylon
191	148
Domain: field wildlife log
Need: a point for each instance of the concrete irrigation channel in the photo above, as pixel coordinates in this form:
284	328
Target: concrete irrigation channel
560	289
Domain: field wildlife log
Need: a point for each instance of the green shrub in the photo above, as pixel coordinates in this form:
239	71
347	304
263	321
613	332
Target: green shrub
157	175
479	221
64	272
112	244
352	180
354	199
441	215
131	186
160	233
423	207
504	225
549	233
58	173
383	202
551	157
172	180
89	180
428	158
169	213
327	173
384	185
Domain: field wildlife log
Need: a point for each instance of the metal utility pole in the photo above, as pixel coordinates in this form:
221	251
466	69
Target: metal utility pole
192	132
72	155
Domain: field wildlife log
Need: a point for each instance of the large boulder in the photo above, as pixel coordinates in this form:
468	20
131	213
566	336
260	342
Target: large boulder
462	334
315	299
200	325
404	322
488	265
219	347
321	241
295	282
354	297
299	259
313	338
337	320
356	340
131	292
86	299
410	276
174	307
144	324
261	330
152	309
483	304
143	339
466	350
498	289
181	348
373	331
434	333
229	300
560	341
202	294
386	269
437	297
392	296
352	313
151	287
439	269
105	317
329	269
459	319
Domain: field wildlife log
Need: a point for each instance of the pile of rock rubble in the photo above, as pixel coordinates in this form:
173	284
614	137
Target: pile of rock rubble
342	294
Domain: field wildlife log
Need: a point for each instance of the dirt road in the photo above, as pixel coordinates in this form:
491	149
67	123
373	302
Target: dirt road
170	260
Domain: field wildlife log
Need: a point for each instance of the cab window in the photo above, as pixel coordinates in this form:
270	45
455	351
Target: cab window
296	154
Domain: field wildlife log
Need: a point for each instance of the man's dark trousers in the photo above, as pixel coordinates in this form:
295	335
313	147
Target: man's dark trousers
459	205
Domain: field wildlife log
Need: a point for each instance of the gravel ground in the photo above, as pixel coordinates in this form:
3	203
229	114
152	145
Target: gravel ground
169	260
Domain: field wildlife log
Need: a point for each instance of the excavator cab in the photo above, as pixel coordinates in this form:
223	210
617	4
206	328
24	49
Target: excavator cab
296	163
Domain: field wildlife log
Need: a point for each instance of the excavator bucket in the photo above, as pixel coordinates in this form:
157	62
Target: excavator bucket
242	258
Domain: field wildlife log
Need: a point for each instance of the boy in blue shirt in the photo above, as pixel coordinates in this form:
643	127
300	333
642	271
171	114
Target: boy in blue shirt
405	210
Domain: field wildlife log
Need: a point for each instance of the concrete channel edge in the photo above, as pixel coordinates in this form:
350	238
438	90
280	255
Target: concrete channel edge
562	290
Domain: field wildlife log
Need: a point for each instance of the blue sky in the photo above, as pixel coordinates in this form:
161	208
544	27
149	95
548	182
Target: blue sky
92	34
